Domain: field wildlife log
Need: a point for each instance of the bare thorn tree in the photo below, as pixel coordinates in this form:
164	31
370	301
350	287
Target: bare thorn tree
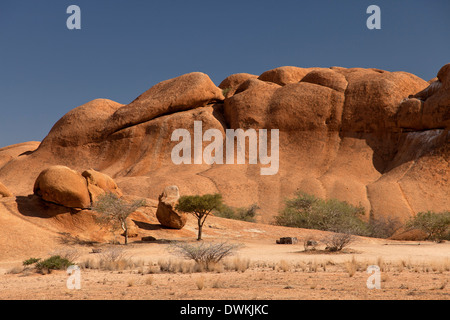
114	211
337	241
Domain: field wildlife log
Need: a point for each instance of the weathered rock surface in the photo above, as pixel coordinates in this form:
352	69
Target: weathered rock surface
99	183
350	134
166	213
63	186
4	192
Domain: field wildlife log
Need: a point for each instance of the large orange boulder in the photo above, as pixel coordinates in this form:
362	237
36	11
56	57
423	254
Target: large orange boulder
232	82
429	108
249	106
327	78
81	125
182	93
99	183
285	75
63	186
166	213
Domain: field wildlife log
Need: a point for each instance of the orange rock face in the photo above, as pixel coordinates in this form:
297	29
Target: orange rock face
64	186
166	213
4	192
350	134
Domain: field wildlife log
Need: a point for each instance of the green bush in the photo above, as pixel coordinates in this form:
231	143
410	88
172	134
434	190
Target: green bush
53	263
309	212
30	261
200	207
436	225
244	214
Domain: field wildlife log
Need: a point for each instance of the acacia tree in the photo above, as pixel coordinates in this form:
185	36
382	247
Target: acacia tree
200	207
114	211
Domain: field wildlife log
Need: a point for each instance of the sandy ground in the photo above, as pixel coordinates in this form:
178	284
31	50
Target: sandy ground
408	271
259	269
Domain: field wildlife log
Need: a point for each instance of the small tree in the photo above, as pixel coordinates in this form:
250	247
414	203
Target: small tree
114	211
200	207
436	225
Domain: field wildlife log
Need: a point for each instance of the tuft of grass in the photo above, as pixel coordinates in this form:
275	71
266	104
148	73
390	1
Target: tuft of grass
149	280
200	282
284	265
351	267
130	282
237	264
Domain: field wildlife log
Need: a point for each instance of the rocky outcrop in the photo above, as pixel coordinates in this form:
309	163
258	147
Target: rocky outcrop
99	183
429	108
285	75
232	82
63	186
166	213
346	133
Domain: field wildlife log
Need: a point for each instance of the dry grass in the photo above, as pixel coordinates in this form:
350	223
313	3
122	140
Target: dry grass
284	266
351	267
149	280
200	282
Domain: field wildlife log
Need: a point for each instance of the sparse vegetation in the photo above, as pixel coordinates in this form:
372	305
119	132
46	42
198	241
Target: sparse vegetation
30	261
244	214
114	211
200	207
337	241
204	254
200	282
310	212
53	263
436	225
382	227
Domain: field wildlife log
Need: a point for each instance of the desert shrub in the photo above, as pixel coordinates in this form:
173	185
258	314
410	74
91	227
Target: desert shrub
244	214
53	263
30	261
310	212
337	241
383	227
204	254
436	225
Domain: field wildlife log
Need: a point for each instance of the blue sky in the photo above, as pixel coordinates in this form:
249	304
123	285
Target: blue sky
125	47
